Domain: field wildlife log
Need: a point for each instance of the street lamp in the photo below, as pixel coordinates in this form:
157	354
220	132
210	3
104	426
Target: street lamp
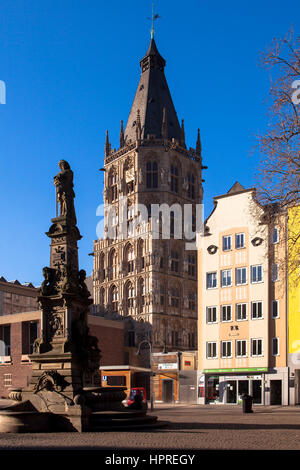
151	367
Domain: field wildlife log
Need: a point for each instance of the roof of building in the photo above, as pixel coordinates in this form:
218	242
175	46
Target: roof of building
152	101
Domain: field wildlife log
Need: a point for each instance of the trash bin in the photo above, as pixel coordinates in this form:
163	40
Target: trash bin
247	403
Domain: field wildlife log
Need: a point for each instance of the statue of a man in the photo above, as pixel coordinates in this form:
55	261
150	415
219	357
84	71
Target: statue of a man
64	191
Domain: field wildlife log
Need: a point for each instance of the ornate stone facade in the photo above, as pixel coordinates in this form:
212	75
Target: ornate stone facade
143	275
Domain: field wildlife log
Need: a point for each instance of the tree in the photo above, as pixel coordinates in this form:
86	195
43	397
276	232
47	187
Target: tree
278	173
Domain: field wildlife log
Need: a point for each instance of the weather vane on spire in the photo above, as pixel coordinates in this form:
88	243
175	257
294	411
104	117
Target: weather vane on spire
154	17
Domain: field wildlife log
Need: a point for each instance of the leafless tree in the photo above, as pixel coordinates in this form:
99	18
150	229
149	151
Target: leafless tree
278	173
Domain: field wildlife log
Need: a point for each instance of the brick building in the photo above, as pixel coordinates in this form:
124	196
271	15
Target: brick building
18	332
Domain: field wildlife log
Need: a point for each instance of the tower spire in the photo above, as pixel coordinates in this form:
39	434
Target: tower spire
198	144
107	145
122	139
182	139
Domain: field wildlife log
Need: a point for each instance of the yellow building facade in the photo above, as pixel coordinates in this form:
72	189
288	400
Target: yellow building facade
294	303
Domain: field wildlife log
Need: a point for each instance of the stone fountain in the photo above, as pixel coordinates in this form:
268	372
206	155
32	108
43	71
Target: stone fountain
64	393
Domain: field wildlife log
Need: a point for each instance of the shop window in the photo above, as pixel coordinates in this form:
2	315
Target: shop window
116	380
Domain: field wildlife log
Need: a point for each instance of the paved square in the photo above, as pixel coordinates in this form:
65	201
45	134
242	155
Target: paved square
210	427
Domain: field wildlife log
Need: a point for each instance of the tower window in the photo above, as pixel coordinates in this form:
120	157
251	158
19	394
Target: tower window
174	178
152	175
191	186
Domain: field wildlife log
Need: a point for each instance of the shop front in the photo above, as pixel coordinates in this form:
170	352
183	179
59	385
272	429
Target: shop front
227	386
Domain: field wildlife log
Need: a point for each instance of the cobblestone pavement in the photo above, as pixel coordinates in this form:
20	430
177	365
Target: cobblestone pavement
211	427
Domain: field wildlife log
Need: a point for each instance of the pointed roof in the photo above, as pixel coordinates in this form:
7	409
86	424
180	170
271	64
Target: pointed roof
151	97
236	188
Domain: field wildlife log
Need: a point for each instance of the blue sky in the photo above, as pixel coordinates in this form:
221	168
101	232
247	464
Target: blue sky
71	69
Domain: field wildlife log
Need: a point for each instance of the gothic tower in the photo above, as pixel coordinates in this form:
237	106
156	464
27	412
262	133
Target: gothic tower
146	277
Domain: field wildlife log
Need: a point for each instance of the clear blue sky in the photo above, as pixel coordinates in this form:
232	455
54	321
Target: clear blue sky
71	69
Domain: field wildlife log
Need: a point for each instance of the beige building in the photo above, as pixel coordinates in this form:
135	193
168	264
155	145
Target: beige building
242	303
142	275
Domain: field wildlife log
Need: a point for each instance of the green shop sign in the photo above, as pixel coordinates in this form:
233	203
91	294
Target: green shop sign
240	369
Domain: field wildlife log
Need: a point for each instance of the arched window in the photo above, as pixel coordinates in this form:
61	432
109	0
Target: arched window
102	296
152	175
191	186
129	175
129	258
114	298
129	295
174	178
101	267
140	254
113	186
113	265
141	294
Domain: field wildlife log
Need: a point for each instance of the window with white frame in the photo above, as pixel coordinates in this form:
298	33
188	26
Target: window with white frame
226	349
227	243
256	273
275	272
211	314
241	311
256	310
226	313
241	348
240	276
7	380
211	350
256	347
226	278
239	240
275	346
275	235
275	308
211	280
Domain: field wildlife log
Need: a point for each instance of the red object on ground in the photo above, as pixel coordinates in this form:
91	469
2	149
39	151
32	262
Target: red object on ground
137	391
